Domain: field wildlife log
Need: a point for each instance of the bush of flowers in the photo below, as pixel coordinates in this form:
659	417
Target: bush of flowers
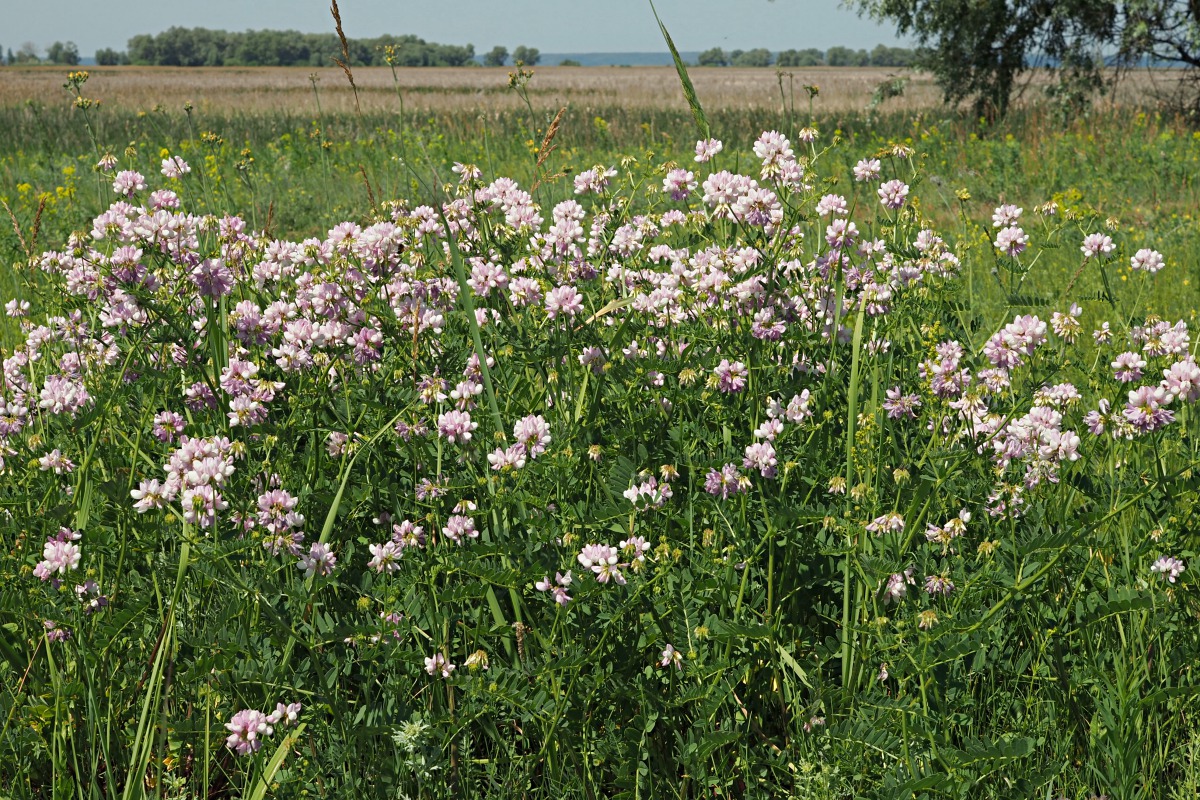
700	482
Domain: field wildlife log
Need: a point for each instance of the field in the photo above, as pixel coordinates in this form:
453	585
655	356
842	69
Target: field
856	463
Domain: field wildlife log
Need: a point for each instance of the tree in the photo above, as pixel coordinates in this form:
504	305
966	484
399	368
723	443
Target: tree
715	57
10	59
496	57
27	53
812	57
107	57
63	53
977	49
758	57
569	62
529	56
845	57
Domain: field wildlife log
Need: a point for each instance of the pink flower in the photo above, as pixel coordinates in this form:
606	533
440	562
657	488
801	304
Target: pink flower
563	300
438	665
761	456
247	729
893	194
1147	261
1095	244
671	658
458	526
128	182
731	377
1011	241
867	169
532	432
1169	567
706	149
319	561
456	426
385	556
174	167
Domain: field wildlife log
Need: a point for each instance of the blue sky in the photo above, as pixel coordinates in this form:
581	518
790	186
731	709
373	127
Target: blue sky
552	25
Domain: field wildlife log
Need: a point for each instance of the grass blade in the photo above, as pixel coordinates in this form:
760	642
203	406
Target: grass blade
689	91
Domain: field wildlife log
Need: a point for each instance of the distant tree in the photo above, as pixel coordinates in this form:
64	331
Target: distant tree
715	57
845	57
527	55
107	57
496	57
758	57
811	57
66	53
569	62
884	56
27	53
10	59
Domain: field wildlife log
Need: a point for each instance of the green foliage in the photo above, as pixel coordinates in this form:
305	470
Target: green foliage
811	57
978	50
758	57
715	57
66	54
202	47
529	56
496	57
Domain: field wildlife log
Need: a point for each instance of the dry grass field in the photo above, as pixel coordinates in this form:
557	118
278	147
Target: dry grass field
272	89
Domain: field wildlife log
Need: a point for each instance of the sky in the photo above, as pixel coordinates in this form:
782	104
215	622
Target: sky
556	26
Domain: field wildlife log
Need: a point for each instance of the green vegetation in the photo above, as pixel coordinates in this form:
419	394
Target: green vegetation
883	608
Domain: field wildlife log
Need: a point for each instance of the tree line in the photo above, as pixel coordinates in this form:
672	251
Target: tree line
881	56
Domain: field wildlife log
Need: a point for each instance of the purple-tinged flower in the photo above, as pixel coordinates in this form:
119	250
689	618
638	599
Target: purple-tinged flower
319	561
671	658
438	665
1144	410
127	182
938	584
458	527
563	300
533	433
897	586
868	169
456	426
1169	567
893	194
890	522
706	149
407	534
761	456
1146	260
247	729
385	556
899	405
1096	244
1128	366
1011	241
731	377
725	482
679	183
